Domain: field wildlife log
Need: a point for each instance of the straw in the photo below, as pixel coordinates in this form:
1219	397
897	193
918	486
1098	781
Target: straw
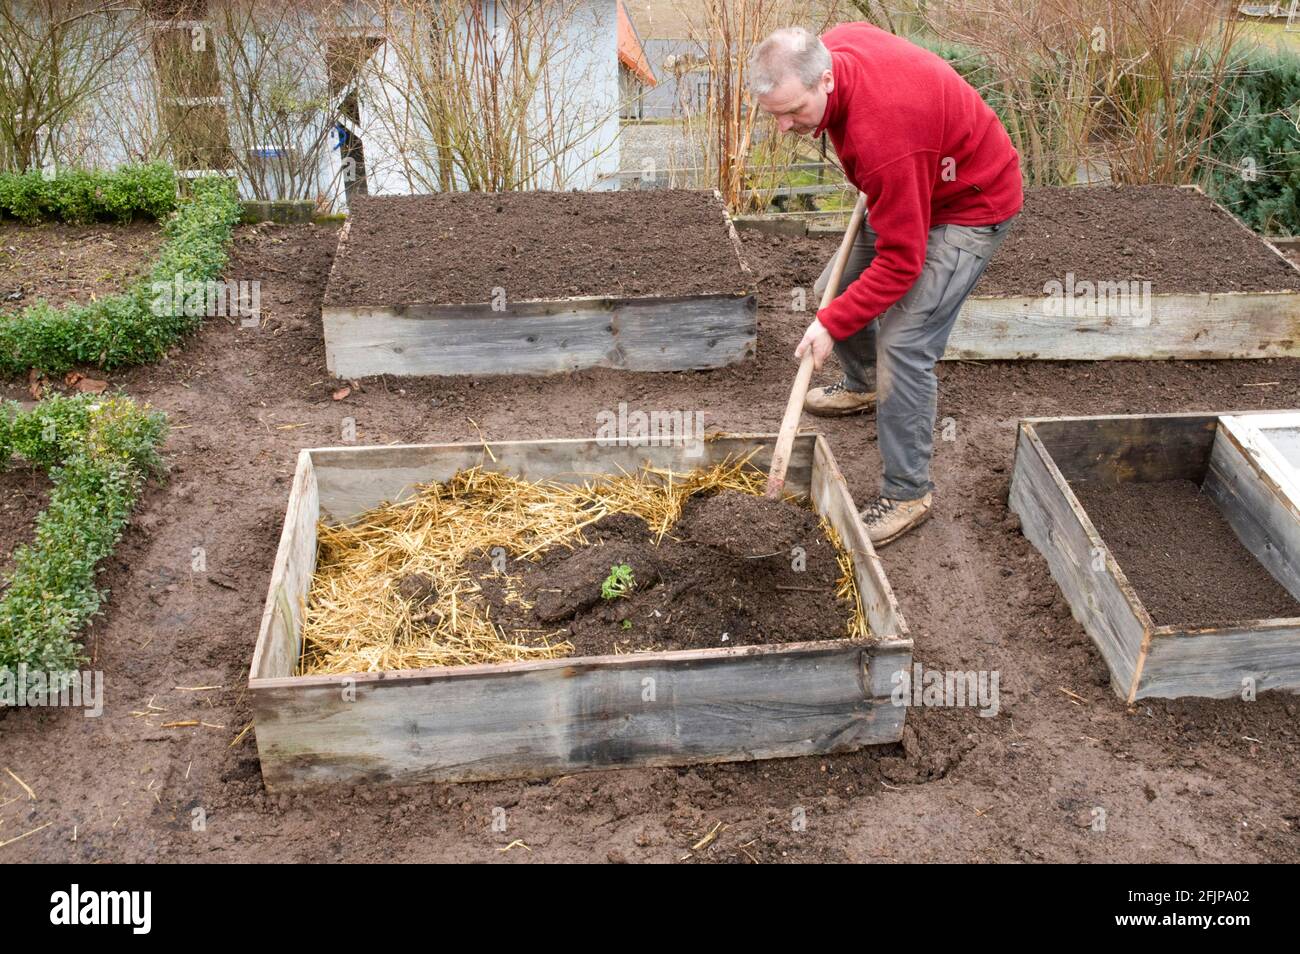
846	587
357	621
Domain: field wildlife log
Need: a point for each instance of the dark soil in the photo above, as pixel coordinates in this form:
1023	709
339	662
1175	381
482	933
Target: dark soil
1180	554
1175	238
687	594
747	526
67	263
1195	780
452	248
24	493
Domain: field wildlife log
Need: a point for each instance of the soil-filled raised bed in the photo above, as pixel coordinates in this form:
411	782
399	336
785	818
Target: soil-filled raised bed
1130	272
708	644
1171	546
1178	550
538	282
1179	239
487	568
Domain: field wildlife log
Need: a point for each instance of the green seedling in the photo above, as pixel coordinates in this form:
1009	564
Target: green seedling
627	624
619	582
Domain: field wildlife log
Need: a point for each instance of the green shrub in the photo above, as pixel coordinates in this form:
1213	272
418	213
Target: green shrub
1256	129
126	329
25	197
98	452
140	191
146	191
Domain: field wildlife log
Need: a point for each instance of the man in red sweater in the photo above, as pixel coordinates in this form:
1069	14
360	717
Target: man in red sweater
942	182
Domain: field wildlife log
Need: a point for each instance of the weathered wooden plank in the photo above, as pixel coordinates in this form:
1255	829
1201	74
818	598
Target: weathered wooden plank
831	498
1256	505
1113	449
1284	443
1099	595
1216	662
354	479
606	712
888	659
637	334
1273	438
774	224
340	251
1198	325
276	651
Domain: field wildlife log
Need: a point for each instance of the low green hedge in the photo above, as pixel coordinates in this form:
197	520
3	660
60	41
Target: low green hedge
98	451
127	328
145	191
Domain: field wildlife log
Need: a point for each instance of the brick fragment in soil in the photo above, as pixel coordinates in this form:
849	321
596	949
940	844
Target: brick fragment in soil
687	594
1181	555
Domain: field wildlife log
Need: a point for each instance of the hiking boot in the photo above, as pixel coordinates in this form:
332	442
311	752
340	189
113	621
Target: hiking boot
836	400
887	520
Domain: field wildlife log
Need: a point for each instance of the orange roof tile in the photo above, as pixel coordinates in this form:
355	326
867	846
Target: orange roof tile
630	53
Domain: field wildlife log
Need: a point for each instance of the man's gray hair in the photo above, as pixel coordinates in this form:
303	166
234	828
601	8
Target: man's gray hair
791	50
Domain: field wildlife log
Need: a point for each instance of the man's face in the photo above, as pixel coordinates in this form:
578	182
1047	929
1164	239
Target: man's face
795	107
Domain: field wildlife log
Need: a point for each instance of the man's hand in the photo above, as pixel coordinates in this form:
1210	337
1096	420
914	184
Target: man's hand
819	340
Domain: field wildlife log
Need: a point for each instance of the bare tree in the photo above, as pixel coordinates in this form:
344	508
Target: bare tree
744	156
1135	81
272	57
493	96
55	57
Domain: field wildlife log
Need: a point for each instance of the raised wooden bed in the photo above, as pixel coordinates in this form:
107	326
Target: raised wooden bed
1146	659
1229	324
541	336
551	717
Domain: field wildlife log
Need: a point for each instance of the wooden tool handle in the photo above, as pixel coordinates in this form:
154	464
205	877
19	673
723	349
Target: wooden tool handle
794	406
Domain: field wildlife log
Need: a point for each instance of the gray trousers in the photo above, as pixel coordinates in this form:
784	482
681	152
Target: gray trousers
895	354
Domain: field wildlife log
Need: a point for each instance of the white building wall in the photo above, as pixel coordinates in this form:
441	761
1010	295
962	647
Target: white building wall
400	149
121	125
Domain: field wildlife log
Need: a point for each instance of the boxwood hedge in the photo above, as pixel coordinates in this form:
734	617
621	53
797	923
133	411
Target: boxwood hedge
98	451
126	328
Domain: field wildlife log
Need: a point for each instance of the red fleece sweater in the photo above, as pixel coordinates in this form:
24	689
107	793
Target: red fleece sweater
923	147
